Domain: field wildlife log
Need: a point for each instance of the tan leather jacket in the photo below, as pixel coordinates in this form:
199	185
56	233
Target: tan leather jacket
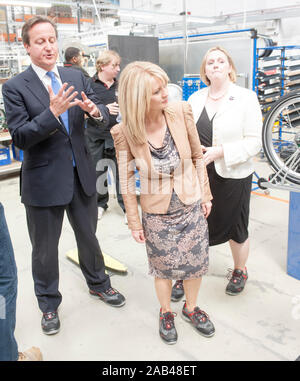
189	180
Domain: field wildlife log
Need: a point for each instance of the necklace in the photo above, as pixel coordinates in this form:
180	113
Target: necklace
217	98
159	137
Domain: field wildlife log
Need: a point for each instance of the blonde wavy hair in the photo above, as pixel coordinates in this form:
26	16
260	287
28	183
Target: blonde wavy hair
135	91
232	74
105	57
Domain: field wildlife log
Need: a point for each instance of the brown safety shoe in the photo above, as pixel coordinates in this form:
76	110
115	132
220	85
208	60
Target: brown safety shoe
31	354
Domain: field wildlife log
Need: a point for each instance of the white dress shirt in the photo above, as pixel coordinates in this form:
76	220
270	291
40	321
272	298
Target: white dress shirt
42	74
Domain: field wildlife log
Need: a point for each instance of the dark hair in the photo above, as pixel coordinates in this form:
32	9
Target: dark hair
71	52
30	23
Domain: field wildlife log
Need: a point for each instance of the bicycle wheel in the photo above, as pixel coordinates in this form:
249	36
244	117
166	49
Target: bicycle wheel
280	137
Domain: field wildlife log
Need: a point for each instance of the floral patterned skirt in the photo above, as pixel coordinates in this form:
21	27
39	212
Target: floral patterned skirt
177	242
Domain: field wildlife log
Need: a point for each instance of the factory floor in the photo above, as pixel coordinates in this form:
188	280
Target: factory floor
261	324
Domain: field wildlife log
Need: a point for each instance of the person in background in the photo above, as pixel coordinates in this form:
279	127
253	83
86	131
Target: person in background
74	60
161	140
8	299
99	141
229	123
45	117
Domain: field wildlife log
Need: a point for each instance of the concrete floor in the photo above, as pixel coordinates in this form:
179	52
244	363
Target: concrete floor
263	323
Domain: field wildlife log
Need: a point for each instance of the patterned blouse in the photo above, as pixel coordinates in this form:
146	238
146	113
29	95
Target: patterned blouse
166	158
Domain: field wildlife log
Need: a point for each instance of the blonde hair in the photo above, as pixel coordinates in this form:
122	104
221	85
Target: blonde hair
232	74
135	91
105	57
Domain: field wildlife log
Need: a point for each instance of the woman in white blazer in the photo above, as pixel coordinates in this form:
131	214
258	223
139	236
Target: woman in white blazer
229	122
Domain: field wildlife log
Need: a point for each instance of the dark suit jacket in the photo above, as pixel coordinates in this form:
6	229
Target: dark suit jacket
47	173
77	67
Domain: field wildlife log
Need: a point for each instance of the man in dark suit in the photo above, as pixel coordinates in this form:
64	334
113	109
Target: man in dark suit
45	107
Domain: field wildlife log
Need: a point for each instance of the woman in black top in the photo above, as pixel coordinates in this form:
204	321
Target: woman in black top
99	140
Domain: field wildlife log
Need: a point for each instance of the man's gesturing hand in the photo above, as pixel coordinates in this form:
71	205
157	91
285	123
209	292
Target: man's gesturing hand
88	106
62	101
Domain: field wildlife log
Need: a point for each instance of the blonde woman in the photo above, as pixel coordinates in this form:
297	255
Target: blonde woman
161	140
99	140
229	122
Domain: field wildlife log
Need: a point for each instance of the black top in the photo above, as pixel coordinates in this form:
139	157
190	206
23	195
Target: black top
204	127
230	211
106	95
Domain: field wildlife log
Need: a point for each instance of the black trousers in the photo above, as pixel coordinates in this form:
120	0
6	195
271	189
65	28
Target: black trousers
103	155
44	226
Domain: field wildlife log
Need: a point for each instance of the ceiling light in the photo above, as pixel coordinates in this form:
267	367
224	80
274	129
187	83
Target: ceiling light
135	14
202	20
166	17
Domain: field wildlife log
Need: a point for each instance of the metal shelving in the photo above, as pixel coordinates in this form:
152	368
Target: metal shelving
276	75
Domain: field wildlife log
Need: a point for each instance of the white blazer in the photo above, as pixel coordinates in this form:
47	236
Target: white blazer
236	126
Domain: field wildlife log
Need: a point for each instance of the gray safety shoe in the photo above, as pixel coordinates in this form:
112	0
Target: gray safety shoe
237	281
50	323
167	330
177	291
199	320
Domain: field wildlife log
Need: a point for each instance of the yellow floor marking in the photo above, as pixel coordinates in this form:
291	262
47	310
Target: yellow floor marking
110	263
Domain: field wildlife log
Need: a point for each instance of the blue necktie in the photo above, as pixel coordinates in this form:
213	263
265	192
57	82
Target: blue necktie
64	116
55	87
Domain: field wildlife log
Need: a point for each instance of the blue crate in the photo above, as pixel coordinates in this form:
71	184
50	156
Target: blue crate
137	181
4	156
17	153
110	179
190	85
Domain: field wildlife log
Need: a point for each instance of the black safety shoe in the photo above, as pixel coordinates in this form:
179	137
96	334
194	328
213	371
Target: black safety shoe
200	321
50	323
177	291
167	328
111	296
237	280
